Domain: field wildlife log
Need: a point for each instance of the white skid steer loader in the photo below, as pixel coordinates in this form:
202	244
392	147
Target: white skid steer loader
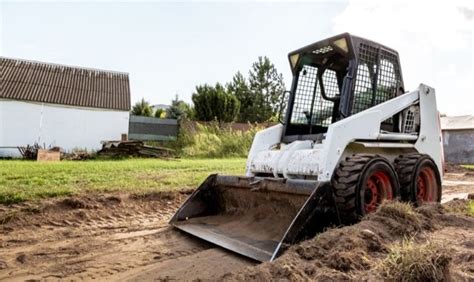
351	138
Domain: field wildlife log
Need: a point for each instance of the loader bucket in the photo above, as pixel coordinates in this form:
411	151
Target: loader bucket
252	216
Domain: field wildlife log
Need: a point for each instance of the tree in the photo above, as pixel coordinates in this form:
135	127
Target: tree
179	109
267	87
215	103
160	113
240	89
142	108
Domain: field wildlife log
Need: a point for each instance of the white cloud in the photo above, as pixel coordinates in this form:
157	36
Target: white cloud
434	40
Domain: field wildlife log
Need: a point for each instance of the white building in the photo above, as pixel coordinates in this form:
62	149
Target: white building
57	105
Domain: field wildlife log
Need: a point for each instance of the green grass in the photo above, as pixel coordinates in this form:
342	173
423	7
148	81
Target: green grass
470	209
26	180
461	207
213	141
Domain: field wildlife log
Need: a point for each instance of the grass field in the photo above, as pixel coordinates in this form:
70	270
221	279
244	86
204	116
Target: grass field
26	180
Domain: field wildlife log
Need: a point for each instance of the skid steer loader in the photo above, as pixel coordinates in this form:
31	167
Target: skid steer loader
351	138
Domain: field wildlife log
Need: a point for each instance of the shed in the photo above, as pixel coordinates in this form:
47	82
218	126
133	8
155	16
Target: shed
458	139
58	105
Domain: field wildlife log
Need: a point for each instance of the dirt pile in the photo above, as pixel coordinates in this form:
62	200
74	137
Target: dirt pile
454	168
360	251
458	206
77	209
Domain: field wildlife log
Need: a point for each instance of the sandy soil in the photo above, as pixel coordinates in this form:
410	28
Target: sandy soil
457	181
105	237
126	237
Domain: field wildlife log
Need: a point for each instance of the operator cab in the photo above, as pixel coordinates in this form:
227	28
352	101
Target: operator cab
336	78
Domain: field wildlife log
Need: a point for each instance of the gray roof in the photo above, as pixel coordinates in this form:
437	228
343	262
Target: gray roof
65	85
457	123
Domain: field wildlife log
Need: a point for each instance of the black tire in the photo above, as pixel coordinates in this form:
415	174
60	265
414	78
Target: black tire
351	185
411	168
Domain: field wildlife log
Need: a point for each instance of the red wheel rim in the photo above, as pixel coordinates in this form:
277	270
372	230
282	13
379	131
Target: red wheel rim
426	185
378	188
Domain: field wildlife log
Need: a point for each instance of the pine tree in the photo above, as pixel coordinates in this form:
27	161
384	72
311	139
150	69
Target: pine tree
267	87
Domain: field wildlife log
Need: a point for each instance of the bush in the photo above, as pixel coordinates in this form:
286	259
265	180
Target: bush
215	103
213	141
142	108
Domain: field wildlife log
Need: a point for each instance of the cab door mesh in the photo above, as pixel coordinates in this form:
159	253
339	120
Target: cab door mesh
378	78
309	106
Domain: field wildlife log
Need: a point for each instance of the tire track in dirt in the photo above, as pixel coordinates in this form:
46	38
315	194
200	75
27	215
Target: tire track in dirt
106	237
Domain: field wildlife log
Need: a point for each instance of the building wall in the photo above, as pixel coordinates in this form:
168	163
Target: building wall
458	146
23	123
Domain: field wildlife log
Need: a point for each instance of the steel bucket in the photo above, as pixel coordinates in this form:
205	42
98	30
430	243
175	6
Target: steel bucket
254	216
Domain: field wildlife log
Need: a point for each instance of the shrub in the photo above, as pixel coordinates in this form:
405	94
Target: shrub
160	113
215	103
142	108
215	141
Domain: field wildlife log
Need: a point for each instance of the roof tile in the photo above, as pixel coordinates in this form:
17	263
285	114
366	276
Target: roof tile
66	85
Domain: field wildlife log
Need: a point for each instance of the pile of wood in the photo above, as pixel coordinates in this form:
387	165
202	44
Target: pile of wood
30	152
78	156
133	148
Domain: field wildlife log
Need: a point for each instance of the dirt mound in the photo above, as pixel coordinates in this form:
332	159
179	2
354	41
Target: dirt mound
358	251
76	209
457	206
454	168
74	203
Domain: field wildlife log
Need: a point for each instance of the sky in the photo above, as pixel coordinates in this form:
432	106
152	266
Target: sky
170	47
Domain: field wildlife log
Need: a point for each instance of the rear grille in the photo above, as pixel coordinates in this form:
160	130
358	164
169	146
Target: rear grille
409	122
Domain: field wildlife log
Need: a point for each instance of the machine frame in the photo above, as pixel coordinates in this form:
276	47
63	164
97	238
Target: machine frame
305	158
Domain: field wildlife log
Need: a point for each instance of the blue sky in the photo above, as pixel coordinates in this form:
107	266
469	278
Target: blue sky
170	47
